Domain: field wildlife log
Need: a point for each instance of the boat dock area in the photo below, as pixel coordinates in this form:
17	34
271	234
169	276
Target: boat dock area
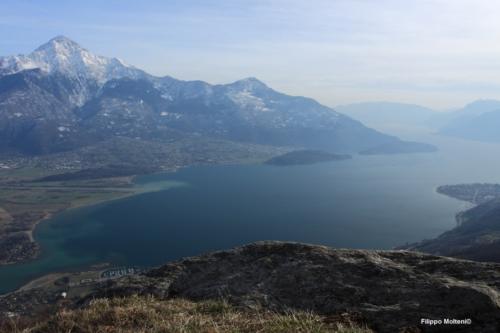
114	273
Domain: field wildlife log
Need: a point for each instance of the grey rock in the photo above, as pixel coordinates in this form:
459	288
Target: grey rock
391	290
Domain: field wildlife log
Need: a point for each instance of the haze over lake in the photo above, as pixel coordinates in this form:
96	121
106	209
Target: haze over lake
375	202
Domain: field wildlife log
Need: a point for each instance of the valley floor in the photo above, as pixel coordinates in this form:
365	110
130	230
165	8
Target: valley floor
33	189
24	203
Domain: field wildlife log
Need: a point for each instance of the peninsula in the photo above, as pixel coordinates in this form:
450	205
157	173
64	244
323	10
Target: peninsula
303	157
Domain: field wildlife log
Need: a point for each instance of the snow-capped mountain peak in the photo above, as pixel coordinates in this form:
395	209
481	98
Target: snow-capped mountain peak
60	42
63	55
249	84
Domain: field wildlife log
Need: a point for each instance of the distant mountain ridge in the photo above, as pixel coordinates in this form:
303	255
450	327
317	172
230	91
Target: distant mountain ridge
479	120
382	115
61	97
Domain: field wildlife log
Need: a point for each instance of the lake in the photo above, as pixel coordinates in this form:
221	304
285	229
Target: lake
371	202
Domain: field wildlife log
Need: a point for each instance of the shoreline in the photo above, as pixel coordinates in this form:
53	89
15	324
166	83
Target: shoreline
140	186
120	193
126	192
458	217
49	215
466	205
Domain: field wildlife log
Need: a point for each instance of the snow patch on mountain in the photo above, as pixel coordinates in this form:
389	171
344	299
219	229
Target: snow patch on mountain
245	99
65	56
85	97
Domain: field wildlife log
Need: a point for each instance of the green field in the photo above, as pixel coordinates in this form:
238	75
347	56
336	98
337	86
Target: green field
24	202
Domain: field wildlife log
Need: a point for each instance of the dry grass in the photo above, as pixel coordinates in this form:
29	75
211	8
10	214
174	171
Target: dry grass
149	315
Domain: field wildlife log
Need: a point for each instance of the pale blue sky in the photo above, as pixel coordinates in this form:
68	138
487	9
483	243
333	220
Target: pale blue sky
438	53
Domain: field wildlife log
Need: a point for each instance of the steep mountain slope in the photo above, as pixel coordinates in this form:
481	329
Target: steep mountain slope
390	291
35	111
477	234
246	110
477	237
61	97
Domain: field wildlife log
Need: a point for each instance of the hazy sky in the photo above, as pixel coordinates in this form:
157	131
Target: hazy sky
438	53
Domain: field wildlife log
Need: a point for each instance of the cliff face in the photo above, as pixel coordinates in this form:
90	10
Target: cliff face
388	290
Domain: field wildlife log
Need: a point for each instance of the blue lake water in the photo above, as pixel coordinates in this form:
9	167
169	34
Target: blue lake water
368	202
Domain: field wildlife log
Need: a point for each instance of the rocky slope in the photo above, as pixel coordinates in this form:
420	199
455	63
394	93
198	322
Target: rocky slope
477	237
477	234
391	291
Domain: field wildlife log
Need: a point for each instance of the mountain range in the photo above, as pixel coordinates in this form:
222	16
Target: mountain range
479	120
61	97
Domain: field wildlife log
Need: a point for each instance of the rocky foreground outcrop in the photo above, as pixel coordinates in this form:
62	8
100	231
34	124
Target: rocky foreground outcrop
390	291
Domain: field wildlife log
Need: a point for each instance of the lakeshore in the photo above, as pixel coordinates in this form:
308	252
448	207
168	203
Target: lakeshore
220	207
26	204
224	206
